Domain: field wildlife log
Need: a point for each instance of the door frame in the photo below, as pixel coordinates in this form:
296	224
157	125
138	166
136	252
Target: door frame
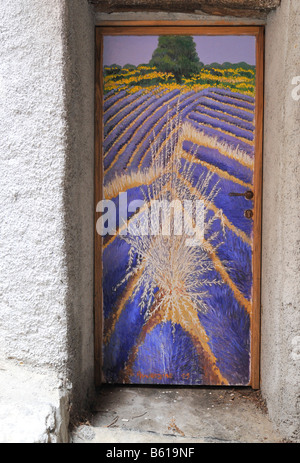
188	28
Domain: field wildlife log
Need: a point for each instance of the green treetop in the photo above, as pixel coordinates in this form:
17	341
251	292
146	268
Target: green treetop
176	54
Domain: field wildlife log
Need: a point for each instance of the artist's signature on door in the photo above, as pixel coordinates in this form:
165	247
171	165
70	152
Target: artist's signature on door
161	376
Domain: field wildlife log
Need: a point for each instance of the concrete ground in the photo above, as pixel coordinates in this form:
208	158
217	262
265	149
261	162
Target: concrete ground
180	415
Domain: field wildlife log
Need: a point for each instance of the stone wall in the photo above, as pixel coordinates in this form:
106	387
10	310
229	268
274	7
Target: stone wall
46	192
33	131
280	348
237	8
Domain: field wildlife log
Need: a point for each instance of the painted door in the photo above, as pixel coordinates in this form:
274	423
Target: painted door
178	226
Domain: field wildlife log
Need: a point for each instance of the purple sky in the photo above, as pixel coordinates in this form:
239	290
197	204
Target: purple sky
138	49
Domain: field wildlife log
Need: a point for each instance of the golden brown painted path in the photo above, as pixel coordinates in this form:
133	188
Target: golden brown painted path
187	317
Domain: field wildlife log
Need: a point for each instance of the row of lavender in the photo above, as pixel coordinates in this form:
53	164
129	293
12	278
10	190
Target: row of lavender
132	121
226	116
127	145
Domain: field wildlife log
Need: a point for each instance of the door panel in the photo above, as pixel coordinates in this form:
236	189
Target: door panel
178	163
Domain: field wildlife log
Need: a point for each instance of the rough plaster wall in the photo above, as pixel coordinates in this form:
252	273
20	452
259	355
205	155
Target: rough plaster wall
46	192
32	132
280	368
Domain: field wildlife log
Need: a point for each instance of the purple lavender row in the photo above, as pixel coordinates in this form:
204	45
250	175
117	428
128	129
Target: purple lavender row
213	104
185	108
214	157
240	96
232	101
109	94
113	129
134	141
123	103
117	114
223	137
155	103
204	119
225	117
188	102
114	99
184	102
233	210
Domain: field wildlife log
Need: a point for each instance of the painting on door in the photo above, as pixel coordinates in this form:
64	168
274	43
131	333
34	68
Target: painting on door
178	161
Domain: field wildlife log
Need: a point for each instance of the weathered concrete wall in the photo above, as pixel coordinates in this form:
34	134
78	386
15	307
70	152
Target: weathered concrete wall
46	192
280	350
79	198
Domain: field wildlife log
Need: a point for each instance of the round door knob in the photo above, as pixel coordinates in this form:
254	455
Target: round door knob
248	213
249	194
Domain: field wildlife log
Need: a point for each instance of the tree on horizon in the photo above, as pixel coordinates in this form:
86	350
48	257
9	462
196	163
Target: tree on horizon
176	54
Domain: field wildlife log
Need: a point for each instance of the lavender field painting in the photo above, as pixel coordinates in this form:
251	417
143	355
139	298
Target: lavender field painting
178	128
